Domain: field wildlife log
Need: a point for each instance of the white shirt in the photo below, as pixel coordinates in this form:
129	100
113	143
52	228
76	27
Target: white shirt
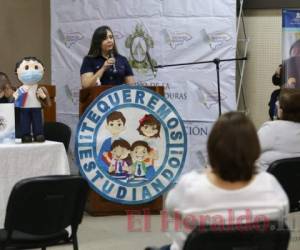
195	196
278	139
32	100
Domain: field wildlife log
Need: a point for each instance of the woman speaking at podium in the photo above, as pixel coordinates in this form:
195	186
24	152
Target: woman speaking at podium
103	65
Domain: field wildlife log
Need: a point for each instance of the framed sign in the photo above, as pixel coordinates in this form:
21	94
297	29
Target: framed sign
130	145
7	123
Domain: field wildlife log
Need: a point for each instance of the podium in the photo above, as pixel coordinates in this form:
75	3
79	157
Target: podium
50	112
97	205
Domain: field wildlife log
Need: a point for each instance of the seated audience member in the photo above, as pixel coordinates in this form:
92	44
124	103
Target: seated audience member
277	80
6	89
230	191
281	138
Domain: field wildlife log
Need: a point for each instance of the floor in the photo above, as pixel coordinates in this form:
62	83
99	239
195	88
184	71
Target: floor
135	233
119	233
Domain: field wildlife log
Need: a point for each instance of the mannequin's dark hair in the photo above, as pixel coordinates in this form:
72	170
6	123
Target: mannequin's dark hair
27	58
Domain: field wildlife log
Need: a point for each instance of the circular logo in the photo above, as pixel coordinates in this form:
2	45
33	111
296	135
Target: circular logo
130	144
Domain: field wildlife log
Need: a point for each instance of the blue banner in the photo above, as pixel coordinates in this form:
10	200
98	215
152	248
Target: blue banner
291	47
291	18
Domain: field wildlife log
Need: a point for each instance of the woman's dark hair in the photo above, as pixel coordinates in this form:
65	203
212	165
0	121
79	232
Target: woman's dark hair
99	36
289	102
4	79
233	147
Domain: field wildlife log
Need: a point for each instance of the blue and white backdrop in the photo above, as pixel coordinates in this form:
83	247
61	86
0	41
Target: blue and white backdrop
170	32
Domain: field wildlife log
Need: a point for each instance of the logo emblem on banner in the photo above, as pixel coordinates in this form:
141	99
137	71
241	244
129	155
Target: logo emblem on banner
130	144
139	44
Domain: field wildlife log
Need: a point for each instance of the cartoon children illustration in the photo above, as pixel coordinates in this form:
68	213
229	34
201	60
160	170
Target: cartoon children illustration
139	153
150	128
118	159
115	124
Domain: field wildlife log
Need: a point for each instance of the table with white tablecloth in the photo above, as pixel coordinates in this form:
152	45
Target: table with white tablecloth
24	160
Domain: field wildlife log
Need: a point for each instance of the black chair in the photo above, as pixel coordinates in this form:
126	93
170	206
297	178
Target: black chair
257	236
243	237
40	209
287	172
167	247
58	131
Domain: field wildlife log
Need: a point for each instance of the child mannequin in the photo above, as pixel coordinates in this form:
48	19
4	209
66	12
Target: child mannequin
30	98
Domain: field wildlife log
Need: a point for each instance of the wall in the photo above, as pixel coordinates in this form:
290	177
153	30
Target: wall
24	31
263	27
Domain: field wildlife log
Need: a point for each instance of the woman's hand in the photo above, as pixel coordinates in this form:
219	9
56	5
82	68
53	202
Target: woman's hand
291	83
109	63
89	79
8	92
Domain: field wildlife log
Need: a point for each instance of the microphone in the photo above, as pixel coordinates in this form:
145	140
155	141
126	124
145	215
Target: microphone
111	55
150	62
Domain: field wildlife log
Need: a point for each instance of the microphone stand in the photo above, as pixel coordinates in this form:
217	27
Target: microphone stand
217	62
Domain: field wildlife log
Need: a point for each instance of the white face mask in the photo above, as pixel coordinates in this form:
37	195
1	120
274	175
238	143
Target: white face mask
30	76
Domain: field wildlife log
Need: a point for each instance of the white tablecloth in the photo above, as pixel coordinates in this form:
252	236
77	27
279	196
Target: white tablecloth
19	161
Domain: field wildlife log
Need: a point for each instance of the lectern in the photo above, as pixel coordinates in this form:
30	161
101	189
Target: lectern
50	112
97	205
